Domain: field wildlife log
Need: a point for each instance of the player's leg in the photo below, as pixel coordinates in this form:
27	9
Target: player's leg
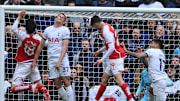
117	65
103	85
159	90
60	88
21	72
69	90
151	96
119	80
36	79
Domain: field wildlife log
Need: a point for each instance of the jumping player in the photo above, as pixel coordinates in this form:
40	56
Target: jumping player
58	39
114	53
155	59
28	43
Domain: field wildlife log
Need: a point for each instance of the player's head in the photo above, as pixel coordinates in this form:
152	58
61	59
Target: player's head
30	26
61	18
156	43
96	22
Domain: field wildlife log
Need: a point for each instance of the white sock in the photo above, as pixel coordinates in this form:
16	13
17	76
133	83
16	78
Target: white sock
69	92
62	93
151	97
131	99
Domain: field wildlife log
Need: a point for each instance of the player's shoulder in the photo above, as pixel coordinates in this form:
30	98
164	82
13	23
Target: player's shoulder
49	28
65	28
36	36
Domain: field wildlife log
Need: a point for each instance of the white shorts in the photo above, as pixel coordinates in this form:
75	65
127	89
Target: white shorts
159	89
114	66
64	68
22	71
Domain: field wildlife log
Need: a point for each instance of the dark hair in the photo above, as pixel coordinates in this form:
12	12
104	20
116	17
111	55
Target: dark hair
159	42
95	19
30	26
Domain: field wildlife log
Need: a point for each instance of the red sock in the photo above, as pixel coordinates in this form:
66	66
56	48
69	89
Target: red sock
126	90
100	91
42	89
21	88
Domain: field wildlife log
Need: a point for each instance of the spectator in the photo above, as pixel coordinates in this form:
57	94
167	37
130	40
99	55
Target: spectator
80	85
170	27
150	4
104	3
75	41
71	3
160	32
83	2
173	69
151	27
55	2
126	3
136	40
73	74
35	2
126	31
14	2
84	57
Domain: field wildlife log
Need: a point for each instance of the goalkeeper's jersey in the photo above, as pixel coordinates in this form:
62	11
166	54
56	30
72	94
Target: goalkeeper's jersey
55	37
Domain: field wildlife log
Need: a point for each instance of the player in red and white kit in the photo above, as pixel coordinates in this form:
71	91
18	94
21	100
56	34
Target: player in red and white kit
28	43
58	39
114	53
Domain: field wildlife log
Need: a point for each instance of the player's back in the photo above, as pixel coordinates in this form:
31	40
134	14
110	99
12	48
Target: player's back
156	64
111	37
28	44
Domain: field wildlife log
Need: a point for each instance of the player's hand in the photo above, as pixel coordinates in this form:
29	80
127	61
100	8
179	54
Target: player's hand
97	53
98	62
139	49
22	13
123	46
40	34
33	65
57	66
135	95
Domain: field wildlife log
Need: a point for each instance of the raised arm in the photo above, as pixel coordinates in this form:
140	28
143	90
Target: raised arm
15	25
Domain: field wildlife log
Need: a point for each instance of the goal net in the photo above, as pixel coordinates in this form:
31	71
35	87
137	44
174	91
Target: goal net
134	29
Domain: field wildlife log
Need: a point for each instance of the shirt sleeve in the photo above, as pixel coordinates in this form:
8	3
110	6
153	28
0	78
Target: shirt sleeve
149	52
45	37
66	34
19	34
141	85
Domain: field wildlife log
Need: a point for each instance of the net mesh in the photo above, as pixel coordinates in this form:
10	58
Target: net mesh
135	30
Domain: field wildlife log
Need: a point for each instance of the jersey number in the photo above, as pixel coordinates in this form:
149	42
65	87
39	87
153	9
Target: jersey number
161	63
29	48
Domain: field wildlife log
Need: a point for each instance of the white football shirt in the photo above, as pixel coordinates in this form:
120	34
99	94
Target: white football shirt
55	37
156	64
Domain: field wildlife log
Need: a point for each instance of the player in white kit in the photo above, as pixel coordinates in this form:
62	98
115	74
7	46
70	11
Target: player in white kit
28	43
58	63
114	53
155	59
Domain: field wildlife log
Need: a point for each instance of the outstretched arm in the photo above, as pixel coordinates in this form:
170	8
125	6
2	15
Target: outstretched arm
15	25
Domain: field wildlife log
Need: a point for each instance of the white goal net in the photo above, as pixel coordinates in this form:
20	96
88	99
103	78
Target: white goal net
134	29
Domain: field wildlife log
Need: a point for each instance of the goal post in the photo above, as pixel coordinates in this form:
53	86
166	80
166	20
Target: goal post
106	13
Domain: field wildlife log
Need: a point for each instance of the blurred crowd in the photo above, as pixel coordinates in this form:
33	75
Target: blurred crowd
84	41
105	3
